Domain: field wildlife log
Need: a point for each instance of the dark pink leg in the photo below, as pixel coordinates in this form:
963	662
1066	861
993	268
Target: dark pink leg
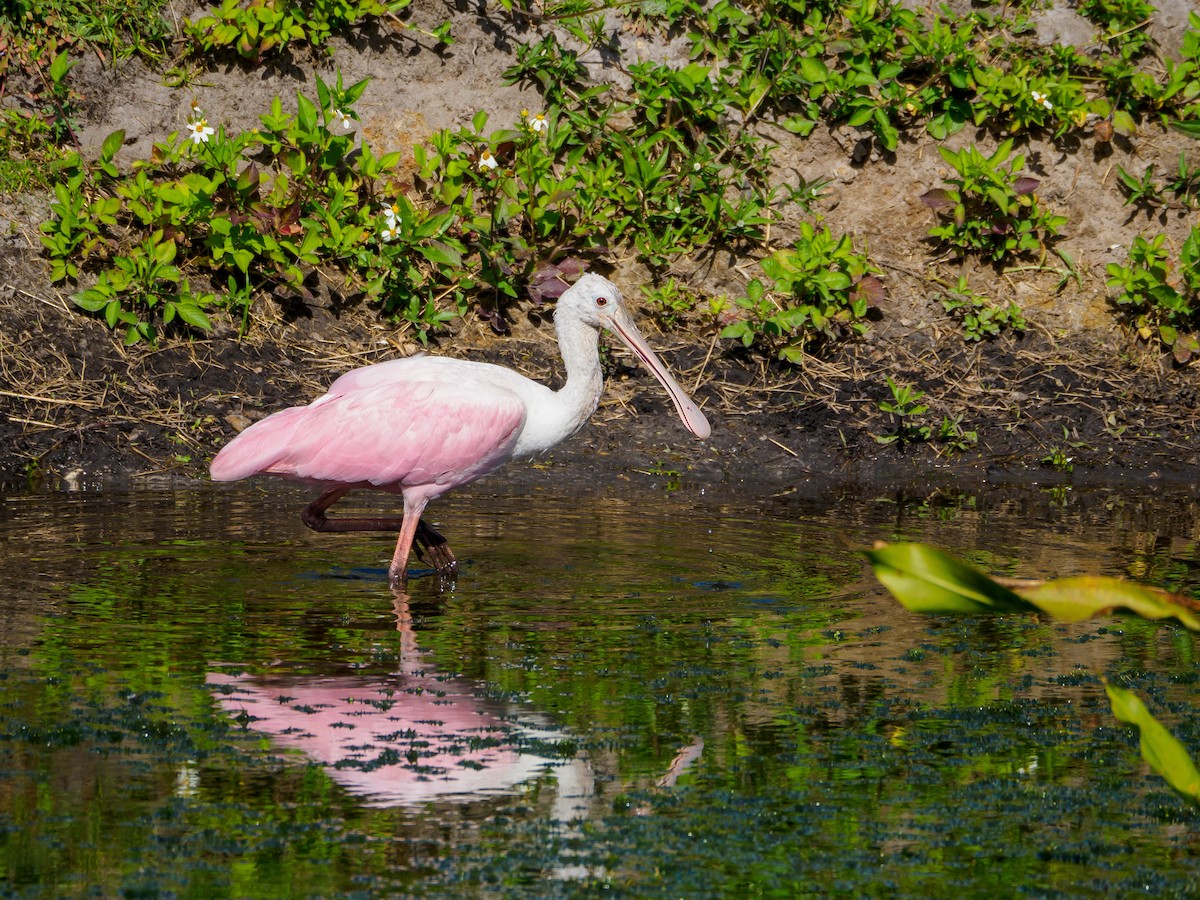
421	537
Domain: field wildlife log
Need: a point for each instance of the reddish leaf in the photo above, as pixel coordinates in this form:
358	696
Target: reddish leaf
938	198
1025	185
871	289
1185	348
505	152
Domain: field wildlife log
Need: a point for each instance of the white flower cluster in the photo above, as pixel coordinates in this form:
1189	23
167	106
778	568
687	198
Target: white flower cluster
391	223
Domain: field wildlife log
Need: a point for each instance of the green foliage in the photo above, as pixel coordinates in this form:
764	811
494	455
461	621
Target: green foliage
257	27
38	40
1148	192
990	209
1059	459
822	291
1161	749
1162	298
253	212
667	165
140	282
904	407
1124	23
668	301
522	194
672	178
979	317
928	580
953	437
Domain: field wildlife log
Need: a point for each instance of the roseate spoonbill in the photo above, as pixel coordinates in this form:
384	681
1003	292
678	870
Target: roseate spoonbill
422	425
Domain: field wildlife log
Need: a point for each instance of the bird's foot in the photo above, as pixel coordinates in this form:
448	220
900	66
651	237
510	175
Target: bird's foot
398	580
429	543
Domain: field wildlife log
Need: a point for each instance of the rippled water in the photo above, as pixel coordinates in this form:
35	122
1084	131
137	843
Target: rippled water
630	691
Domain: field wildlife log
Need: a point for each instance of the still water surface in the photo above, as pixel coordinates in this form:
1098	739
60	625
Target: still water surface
630	692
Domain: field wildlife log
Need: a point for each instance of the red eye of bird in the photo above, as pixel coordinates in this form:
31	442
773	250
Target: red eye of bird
602	301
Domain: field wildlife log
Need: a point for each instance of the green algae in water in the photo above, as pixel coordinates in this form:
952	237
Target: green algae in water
705	708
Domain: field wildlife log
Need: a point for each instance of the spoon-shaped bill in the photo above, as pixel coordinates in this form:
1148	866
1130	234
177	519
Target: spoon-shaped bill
623	327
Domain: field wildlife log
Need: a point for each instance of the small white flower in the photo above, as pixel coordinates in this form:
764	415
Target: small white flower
390	231
392	213
200	131
197	112
487	161
1039	97
678	210
696	167
539	123
338	116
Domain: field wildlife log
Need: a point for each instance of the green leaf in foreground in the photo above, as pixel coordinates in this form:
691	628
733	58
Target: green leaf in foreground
927	580
1085	596
1160	748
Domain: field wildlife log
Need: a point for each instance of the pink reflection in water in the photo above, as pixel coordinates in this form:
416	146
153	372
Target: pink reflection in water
407	739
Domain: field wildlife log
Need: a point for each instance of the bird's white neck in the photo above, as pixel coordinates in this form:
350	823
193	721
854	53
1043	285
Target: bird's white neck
579	345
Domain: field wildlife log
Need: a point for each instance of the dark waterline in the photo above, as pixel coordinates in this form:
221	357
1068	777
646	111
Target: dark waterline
630	691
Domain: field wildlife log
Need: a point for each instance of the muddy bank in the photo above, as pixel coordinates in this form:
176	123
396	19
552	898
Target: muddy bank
79	407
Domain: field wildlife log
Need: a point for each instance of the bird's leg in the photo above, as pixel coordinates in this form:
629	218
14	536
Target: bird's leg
314	516
398	570
424	539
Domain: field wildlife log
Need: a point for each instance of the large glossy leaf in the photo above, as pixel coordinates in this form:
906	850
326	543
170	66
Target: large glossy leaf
1160	749
925	579
1085	596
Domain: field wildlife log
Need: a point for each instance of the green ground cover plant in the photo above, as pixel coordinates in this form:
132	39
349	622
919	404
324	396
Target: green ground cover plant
979	316
989	208
310	197
1159	295
668	167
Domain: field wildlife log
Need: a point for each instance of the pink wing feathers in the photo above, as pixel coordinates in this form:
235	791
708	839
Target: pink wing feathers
384	432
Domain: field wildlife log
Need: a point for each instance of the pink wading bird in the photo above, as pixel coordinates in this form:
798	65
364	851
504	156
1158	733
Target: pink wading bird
423	425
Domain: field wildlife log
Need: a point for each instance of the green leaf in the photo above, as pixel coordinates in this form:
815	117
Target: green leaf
1123	124
1190	128
813	70
441	255
92	300
1085	596
925	579
165	252
112	144
1160	748
799	125
193	315
306	114
60	67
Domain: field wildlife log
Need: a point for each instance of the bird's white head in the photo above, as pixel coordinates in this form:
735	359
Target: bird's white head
594	300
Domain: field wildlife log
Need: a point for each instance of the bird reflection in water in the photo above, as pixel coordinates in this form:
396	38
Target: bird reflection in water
416	736
422	736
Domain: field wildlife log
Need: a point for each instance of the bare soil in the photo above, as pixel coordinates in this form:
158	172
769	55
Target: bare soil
78	407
